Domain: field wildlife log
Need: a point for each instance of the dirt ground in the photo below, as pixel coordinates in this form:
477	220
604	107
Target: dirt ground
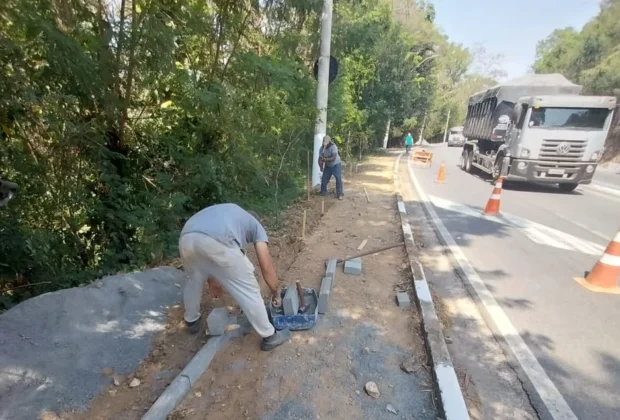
322	372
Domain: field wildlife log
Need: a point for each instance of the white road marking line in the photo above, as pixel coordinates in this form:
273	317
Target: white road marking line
551	397
536	232
584	227
598	193
604	189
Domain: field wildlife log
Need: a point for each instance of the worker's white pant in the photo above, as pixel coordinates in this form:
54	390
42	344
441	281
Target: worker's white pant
203	257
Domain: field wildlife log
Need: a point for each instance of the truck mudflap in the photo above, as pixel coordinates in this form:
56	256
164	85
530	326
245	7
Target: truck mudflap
551	172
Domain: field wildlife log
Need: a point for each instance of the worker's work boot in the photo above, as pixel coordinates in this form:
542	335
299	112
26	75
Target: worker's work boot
280	337
194	326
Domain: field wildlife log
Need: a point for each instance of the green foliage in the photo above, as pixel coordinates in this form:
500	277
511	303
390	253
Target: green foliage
119	119
590	57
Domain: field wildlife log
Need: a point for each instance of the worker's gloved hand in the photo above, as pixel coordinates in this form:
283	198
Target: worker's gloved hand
215	289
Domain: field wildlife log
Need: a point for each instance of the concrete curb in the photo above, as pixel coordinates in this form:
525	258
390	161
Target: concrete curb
451	401
178	389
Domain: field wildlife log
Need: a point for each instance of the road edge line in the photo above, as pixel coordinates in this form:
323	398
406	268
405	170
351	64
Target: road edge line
551	398
451	400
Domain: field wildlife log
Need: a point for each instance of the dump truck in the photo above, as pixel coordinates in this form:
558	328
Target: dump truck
537	128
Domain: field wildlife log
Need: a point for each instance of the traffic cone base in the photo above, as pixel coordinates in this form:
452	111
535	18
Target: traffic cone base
584	282
492	207
606	272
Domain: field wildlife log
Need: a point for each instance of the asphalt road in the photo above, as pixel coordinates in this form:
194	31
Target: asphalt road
608	175
528	259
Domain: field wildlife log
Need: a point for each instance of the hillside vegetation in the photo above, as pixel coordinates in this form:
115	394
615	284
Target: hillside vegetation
590	57
119	118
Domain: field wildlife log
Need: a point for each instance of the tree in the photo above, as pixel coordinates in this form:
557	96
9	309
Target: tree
119	119
590	57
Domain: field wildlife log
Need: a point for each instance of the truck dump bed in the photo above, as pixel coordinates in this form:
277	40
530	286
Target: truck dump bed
486	107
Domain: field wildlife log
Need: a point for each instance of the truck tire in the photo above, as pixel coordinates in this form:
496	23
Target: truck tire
568	187
463	162
470	158
497	168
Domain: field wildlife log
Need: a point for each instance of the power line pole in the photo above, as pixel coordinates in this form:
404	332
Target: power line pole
322	91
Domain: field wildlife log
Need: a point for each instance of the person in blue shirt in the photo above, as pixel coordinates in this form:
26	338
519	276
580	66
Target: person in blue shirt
408	142
330	164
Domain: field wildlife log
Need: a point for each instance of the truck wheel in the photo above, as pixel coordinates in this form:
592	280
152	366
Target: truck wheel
470	158
568	187
463	162
497	167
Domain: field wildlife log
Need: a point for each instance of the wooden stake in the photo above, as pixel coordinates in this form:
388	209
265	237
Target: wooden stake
362	245
366	192
322	207
303	227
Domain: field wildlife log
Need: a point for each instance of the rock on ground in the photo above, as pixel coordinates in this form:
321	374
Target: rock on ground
56	348
372	389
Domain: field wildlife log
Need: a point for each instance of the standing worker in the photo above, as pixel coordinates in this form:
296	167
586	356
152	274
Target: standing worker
213	245
408	142
330	164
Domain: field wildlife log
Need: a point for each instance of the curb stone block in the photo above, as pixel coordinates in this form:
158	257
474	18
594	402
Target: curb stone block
326	288
403	300
353	266
330	268
217	321
291	301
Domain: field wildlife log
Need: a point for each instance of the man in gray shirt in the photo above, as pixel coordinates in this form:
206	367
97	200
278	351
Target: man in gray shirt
330	164
212	246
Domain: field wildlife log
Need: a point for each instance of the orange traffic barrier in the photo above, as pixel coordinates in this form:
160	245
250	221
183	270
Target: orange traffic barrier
492	207
422	156
606	272
441	176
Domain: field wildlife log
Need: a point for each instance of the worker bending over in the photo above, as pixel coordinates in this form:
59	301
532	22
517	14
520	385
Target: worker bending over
212	246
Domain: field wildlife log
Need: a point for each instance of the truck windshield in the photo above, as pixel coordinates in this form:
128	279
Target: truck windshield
584	118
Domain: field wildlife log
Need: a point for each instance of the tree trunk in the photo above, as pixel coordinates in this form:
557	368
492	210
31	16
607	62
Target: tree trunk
445	133
422	129
130	71
387	134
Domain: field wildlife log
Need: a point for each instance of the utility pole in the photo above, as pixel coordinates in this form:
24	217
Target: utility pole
445	133
322	91
387	133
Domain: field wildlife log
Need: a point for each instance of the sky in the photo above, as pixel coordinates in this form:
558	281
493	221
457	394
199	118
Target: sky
510	27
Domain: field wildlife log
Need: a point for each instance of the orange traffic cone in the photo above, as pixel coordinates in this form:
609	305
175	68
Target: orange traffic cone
492	207
441	176
606	272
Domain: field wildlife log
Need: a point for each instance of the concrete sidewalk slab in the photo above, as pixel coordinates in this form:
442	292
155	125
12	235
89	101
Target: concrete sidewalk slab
55	346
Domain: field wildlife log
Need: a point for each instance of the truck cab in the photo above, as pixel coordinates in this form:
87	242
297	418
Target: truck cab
456	137
556	138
